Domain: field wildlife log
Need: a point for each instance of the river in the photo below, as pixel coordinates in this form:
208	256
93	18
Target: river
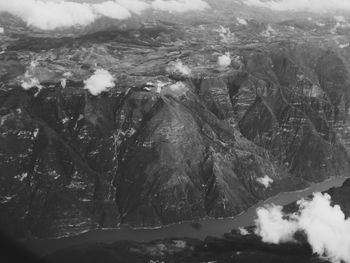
200	230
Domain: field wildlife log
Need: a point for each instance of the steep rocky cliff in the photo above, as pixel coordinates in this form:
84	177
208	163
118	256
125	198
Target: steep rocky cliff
166	145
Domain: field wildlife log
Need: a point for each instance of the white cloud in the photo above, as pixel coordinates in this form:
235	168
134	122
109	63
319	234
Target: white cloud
111	9
225	34
30	83
272	227
242	21
159	85
265	181
179	5
178	67
52	14
224	60
325	226
49	15
268	32
302	5
99	82
178	86
1	30
29	79
134	6
63	83
175	89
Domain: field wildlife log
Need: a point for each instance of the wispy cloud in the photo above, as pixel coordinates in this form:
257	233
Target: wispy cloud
325	226
321	6
179	5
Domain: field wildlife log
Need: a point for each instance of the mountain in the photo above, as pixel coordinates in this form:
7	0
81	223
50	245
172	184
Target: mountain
179	137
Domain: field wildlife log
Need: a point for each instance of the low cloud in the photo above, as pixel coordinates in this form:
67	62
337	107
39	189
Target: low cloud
224	60
51	14
325	226
320	6
30	83
30	79
265	181
179	5
134	6
111	9
177	67
101	81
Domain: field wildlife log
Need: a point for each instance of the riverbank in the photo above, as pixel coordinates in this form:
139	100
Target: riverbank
197	230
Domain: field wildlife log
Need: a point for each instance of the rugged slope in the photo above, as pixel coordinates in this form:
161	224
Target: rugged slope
166	145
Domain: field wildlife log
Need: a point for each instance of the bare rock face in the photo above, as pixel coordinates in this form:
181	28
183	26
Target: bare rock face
128	157
294	117
161	146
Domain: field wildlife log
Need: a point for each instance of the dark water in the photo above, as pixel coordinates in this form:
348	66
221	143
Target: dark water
199	230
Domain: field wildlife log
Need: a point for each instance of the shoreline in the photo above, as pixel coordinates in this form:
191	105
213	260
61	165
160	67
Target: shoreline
216	227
